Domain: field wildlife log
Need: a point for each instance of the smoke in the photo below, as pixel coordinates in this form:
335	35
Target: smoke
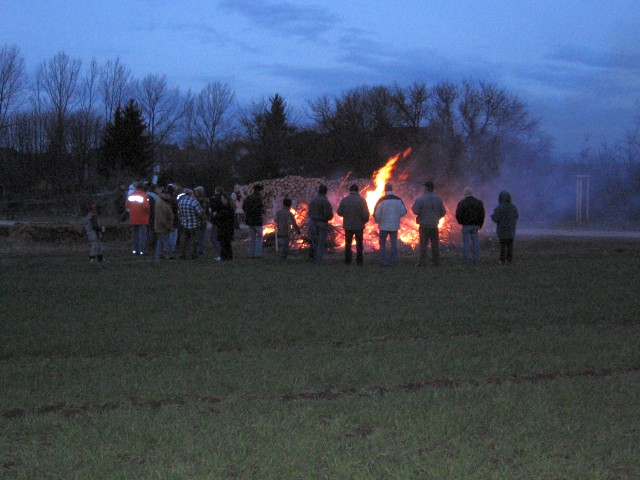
544	189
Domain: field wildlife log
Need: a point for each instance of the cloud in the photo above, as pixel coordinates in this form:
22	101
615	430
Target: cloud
585	57
284	17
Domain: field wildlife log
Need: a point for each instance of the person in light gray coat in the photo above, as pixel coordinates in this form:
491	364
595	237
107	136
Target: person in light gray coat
388	212
355	214
429	209
505	216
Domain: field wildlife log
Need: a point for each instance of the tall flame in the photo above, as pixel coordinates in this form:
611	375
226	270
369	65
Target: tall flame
381	177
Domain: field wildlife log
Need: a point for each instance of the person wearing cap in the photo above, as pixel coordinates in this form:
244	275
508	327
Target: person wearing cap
320	213
164	225
253	207
139	211
429	209
470	214
388	211
190	213
355	214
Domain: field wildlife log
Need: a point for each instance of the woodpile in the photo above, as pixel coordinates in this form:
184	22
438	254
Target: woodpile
301	190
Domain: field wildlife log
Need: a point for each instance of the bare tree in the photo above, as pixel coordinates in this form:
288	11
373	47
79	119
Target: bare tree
116	86
446	95
322	113
86	124
412	104
162	107
12	82
58	79
207	117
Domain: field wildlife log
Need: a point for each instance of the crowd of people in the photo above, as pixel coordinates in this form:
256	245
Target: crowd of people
172	220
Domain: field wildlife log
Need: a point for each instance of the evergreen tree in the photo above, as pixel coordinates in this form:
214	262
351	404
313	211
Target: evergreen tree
126	147
268	139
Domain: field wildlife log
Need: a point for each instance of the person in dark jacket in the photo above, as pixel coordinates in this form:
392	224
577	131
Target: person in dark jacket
225	224
505	216
429	209
355	214
254	210
215	204
470	214
320	213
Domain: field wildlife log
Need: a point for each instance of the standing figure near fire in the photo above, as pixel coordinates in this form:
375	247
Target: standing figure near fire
224	223
320	213
505	216
190	213
201	196
429	209
139	212
388	212
236	198
285	222
355	214
470	214
164	225
94	233
215	205
254	210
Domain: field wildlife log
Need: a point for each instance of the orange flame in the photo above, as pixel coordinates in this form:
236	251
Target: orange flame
408	233
381	177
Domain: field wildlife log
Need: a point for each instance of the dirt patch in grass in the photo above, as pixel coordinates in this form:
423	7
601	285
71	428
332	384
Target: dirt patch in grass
322	395
70	410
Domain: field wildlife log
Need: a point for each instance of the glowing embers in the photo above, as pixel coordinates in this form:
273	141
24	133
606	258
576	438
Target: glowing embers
408	233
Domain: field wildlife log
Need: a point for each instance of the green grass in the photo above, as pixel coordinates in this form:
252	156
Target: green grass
141	369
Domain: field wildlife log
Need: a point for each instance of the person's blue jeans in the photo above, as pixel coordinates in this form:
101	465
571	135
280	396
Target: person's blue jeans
173	242
255	241
318	232
163	247
138	239
283	245
470	236
214	241
392	258
202	235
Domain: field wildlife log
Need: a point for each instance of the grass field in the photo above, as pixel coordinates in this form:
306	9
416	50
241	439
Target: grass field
137	369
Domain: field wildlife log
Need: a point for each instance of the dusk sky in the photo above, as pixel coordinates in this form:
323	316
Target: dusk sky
575	63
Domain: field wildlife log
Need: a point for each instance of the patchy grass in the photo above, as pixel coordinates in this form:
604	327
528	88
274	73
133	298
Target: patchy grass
254	369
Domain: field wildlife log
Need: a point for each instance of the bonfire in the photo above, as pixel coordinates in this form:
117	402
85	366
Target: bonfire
372	191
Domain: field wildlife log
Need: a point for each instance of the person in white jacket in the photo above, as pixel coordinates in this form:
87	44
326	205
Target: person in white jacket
388	212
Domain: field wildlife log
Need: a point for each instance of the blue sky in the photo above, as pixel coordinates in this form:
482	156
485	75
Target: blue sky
576	63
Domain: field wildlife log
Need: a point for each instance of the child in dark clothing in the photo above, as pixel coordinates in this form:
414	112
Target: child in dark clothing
285	222
505	216
94	233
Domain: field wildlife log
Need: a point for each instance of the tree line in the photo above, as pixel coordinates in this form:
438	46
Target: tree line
68	128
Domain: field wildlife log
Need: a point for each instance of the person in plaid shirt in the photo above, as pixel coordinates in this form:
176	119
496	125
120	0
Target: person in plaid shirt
190	213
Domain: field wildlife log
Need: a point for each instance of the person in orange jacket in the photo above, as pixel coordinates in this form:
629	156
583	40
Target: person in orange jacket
139	209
